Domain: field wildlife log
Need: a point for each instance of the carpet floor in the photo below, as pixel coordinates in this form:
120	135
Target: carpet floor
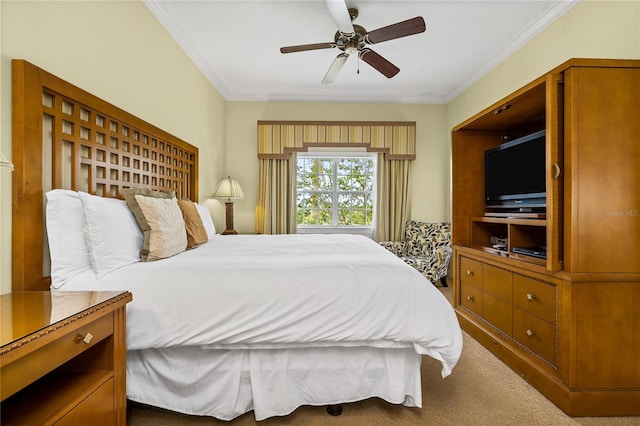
481	391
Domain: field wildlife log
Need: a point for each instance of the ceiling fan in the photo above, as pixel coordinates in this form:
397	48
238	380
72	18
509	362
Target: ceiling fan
351	39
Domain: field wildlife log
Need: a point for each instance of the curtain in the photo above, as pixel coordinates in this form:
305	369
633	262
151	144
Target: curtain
394	198
276	208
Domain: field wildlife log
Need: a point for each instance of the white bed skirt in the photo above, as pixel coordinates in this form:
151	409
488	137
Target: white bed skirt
272	382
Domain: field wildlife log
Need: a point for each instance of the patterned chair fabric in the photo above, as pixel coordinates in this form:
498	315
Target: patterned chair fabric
426	247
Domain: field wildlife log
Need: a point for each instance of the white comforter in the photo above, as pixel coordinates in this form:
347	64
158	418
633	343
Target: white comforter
281	291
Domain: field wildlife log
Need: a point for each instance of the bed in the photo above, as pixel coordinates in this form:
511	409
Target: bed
262	323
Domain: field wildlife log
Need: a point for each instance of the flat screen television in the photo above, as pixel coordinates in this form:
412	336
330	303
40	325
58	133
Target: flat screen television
515	175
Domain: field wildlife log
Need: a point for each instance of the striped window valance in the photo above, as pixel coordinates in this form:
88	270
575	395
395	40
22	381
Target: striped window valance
397	140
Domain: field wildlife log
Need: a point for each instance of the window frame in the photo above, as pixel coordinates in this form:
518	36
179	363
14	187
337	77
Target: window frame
334	154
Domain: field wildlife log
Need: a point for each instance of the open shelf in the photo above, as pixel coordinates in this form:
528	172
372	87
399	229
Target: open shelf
55	393
518	232
511	220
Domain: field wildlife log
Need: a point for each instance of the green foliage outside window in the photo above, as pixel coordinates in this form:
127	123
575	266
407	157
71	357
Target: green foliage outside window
335	191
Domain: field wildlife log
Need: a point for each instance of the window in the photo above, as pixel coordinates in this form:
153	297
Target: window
336	192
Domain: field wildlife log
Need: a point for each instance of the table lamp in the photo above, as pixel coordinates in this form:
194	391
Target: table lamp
229	190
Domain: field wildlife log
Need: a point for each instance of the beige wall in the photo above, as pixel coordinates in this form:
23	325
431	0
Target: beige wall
591	29
119	52
431	168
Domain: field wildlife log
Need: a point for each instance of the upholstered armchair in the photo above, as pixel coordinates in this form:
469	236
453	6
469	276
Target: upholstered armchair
426	247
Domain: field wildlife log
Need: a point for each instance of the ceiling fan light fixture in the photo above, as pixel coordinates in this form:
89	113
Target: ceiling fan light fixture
351	47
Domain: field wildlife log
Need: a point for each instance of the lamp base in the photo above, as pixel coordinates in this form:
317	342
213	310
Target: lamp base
229	217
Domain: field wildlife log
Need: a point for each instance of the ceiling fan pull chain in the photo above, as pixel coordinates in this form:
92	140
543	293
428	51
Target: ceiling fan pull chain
358	62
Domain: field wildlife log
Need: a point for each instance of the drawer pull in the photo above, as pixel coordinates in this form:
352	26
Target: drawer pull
531	296
469	272
529	332
470	298
86	338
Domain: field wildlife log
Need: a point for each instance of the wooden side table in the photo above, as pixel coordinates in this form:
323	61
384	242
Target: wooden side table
62	357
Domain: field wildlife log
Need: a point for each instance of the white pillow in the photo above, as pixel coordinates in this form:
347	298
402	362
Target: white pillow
206	219
64	217
112	233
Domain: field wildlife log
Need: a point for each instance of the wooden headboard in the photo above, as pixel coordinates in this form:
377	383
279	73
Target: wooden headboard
65	137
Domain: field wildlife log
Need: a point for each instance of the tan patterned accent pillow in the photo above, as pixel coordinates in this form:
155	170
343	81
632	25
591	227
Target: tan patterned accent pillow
161	222
196	233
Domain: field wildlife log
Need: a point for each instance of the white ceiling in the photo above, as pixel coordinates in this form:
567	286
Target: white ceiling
236	45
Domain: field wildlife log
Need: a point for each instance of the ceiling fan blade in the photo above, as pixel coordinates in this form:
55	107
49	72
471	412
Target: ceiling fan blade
400	29
335	68
340	13
305	47
385	67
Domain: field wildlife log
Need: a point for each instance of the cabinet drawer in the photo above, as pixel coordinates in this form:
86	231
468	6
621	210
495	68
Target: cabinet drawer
471	272
95	410
497	282
31	367
537	335
498	313
471	298
535	297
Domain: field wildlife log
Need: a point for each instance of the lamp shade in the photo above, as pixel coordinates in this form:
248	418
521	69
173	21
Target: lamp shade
229	189
4	163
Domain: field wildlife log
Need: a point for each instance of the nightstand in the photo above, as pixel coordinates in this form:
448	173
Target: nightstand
62	357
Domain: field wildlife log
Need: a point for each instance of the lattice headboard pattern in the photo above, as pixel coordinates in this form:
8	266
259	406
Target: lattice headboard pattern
65	137
107	155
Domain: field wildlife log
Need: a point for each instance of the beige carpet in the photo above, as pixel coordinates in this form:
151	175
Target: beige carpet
480	391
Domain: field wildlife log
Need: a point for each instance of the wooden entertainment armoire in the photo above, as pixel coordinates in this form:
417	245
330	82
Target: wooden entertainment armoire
568	324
